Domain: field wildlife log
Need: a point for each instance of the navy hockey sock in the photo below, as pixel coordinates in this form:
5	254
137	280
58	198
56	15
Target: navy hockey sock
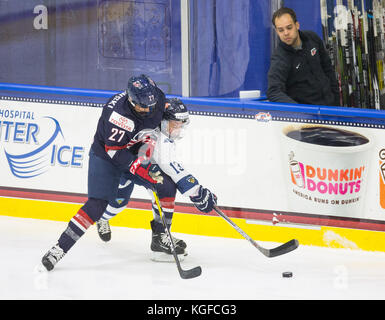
77	226
90	212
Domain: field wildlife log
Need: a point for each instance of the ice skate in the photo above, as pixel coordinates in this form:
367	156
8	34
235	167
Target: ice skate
52	257
161	246
104	230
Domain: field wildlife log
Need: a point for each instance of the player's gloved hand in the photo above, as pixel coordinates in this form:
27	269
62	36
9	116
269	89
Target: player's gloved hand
142	168
205	200
155	174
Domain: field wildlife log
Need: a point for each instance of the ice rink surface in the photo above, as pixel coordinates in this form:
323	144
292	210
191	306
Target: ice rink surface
232	269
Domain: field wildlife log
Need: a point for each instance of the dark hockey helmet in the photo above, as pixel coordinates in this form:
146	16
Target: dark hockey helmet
175	111
141	90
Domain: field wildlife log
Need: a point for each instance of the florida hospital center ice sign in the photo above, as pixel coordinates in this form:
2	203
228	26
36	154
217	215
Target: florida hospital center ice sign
43	146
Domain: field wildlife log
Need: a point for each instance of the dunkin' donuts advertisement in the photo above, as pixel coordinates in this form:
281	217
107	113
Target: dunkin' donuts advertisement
326	169
313	170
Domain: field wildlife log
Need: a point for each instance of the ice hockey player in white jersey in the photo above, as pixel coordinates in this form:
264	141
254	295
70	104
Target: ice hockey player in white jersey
172	176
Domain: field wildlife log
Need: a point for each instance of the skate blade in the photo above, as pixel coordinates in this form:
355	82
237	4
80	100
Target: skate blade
164	257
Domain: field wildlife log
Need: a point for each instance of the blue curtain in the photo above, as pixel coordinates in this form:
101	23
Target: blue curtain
230	46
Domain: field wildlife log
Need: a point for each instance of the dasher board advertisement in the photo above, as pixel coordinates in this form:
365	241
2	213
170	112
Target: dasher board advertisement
45	146
260	164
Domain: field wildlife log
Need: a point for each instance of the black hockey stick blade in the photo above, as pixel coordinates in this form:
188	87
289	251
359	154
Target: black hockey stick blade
274	252
190	273
185	274
284	248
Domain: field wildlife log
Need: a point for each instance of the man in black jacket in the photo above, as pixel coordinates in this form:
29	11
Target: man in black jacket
300	68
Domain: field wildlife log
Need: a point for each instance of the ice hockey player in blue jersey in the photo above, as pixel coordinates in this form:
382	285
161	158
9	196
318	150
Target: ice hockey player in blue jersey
166	167
125	126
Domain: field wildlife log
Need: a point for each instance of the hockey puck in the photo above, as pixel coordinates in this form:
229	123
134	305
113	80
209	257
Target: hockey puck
287	274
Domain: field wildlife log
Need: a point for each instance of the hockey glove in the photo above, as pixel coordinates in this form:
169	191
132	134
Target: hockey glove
205	200
147	172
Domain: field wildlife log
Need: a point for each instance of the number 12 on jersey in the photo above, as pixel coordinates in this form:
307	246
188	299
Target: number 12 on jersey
176	166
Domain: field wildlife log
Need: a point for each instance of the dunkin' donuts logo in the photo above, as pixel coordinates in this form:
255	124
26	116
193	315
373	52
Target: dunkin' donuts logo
336	180
328	181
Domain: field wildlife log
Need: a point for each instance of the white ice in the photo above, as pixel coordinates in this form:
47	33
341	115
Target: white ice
232	268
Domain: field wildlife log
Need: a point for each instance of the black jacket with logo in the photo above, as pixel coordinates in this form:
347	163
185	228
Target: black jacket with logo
303	76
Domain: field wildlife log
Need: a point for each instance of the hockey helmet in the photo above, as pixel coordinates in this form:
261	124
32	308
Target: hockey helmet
142	90
175	119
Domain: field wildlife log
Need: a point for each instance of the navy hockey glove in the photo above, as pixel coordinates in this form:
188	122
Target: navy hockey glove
205	200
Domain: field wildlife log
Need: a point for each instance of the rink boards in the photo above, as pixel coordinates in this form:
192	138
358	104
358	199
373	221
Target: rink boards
207	225
272	187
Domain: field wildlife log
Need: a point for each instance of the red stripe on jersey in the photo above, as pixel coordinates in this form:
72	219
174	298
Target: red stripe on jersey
130	144
108	148
82	218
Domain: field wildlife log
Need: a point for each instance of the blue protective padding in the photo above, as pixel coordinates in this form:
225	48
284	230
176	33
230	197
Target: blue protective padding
277	106
352	112
56	90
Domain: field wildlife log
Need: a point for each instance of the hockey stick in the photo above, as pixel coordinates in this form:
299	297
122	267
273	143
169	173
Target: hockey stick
282	249
184	274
